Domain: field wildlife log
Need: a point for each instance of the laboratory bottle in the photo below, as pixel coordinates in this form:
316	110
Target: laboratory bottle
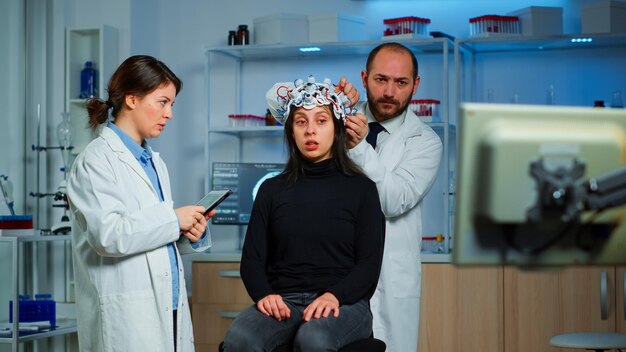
88	81
243	34
232	37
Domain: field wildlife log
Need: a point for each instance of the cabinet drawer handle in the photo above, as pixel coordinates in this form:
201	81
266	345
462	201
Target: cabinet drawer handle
624	292
230	273
229	314
604	312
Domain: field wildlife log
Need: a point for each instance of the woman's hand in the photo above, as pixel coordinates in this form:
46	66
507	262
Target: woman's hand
273	306
321	307
192	221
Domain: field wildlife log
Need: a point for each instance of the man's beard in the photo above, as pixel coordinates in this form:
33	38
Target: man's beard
381	115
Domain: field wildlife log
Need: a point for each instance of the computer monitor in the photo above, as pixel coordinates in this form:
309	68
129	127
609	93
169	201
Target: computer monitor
526	181
244	180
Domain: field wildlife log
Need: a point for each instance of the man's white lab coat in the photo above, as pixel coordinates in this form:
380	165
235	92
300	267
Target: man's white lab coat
404	168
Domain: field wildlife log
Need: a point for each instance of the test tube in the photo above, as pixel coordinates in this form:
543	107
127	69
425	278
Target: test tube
616	102
550	95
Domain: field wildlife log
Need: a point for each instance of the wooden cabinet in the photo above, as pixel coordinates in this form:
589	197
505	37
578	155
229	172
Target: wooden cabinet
495	308
461	309
218	295
539	305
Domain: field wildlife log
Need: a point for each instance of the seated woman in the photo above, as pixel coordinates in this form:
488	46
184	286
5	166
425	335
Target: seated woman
314	245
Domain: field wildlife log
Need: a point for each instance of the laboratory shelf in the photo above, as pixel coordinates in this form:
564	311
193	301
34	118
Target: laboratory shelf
63	327
330	49
25	250
260	131
540	43
472	56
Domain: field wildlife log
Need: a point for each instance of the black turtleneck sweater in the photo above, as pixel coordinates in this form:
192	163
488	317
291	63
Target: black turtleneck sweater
323	233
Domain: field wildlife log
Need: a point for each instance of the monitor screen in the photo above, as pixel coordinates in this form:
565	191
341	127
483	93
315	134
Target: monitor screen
244	180
525	177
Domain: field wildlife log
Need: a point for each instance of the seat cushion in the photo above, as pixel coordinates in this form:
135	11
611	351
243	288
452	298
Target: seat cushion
365	345
595	340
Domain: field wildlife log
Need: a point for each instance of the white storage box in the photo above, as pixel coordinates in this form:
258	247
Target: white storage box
336	28
540	20
604	17
281	28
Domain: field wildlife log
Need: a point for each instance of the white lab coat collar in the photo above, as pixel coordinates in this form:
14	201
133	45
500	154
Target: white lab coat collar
125	155
407	124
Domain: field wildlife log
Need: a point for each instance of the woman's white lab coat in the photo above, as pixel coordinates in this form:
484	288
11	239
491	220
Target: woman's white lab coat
120	230
404	169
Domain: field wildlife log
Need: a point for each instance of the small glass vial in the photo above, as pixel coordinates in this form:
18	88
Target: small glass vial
439	245
243	34
232	37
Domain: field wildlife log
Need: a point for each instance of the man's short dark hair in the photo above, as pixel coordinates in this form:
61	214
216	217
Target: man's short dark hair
394	47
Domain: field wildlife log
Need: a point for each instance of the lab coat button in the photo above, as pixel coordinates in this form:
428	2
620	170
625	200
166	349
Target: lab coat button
166	274
167	309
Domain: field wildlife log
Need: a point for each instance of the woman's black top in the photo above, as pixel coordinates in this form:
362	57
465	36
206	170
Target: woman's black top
323	233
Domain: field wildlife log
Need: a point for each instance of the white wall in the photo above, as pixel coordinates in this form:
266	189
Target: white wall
12	62
12	141
12	144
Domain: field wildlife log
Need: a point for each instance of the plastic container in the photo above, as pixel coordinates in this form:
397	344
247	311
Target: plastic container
336	28
13	222
426	109
607	16
281	28
88	81
406	27
427	244
43	308
540	20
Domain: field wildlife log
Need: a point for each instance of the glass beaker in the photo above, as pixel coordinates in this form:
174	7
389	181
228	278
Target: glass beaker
65	138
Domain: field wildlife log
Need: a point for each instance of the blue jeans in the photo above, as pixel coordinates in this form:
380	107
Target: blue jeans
253	331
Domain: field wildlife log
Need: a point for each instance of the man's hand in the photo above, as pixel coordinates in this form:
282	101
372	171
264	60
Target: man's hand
321	307
273	306
348	90
356	128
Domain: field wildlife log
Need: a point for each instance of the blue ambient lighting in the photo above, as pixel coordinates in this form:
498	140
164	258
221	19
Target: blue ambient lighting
582	40
310	49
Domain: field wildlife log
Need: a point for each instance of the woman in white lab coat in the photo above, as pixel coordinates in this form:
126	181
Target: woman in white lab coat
127	236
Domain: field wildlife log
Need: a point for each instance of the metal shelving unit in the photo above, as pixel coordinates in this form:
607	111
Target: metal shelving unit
28	246
337	51
472	48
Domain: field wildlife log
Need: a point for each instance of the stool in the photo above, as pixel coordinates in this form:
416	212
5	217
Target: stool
592	341
366	345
